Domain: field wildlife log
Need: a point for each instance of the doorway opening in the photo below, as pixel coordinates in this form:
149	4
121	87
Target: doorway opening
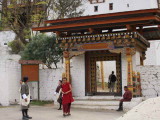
95	83
103	71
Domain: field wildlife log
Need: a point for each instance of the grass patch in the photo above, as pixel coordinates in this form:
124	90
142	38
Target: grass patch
41	103
3	106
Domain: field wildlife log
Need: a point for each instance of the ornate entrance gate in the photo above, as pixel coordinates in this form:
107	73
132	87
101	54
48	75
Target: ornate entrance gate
91	58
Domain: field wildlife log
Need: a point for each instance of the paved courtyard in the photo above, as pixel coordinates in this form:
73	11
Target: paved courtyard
51	113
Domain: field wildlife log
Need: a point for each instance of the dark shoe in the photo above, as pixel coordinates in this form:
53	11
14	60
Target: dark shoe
60	109
28	117
120	110
64	115
68	114
24	118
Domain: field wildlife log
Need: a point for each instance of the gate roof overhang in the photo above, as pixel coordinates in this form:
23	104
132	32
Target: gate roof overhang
119	20
88	27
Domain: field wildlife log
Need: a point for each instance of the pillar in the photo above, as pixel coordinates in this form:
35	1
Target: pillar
67	65
102	75
129	53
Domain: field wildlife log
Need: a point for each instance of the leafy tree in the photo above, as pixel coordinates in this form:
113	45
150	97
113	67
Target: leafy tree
16	46
67	8
43	48
21	15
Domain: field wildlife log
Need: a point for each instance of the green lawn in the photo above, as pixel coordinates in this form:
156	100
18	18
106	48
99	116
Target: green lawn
41	103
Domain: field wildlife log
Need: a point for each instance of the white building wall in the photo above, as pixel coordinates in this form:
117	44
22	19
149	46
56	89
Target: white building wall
119	6
153	54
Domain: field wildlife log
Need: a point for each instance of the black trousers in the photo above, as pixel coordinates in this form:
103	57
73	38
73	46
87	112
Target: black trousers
121	105
24	112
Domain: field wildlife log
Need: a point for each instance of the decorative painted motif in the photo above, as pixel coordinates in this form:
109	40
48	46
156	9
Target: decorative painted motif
94	46
120	40
129	53
137	91
67	65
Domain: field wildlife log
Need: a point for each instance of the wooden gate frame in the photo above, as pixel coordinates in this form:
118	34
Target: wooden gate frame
90	56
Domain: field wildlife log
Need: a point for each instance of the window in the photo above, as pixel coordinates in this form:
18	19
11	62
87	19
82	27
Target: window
5	43
96	1
110	6
127	5
95	8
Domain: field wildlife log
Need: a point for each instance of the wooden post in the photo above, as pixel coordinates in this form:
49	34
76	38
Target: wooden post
129	53
102	75
131	28
67	65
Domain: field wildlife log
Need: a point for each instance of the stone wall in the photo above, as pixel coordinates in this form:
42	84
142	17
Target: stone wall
150	80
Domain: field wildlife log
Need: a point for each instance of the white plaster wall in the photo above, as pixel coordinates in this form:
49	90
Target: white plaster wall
157	52
151	54
48	82
9	71
150	80
10	75
5	37
4	99
13	74
136	60
78	75
124	70
119	6
33	90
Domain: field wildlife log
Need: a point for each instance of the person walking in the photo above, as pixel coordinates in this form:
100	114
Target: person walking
126	98
25	99
58	92
67	98
112	80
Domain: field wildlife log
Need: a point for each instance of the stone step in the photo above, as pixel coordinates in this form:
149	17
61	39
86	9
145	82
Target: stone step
97	98
96	103
98	107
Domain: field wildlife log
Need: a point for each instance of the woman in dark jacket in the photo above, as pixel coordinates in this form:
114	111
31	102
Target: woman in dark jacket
59	92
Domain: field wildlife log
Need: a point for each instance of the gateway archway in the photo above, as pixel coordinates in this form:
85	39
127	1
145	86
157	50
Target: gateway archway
92	34
91	72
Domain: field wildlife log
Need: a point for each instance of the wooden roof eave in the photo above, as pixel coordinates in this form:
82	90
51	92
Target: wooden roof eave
120	21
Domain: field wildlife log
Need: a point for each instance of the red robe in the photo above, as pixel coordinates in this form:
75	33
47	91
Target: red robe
127	96
67	98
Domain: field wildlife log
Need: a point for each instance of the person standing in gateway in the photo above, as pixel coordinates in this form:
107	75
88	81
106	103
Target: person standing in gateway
112	80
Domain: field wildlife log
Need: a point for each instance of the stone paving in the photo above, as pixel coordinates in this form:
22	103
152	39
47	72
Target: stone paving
51	113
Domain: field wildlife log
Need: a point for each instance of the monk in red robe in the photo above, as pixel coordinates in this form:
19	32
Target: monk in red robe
67	98
126	98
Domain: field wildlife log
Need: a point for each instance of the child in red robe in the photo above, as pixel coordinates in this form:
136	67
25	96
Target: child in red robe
67	98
